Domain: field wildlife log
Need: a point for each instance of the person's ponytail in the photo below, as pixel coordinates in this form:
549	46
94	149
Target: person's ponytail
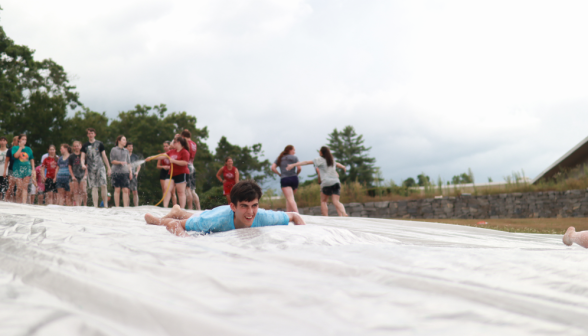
327	156
285	152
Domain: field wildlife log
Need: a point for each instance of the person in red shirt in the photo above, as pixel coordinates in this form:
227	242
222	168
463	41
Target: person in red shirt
229	176
50	164
178	157
191	196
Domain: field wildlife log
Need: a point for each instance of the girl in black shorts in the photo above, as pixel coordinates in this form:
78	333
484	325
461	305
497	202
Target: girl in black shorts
163	165
289	178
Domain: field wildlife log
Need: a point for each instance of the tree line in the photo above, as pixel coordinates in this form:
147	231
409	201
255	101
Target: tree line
37	99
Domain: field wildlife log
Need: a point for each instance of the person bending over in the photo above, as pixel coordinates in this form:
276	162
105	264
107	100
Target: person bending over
243	212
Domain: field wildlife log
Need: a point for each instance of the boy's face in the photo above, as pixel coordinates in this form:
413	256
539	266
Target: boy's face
3	142
245	212
91	135
130	148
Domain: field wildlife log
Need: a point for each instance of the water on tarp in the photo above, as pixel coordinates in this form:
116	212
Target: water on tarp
87	271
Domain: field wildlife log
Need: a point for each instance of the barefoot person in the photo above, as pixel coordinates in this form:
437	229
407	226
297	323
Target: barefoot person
135	169
49	164
24	168
191	195
243	212
121	172
78	174
40	185
4	162
580	238
179	157
164	165
288	178
229	176
94	155
330	184
62	176
11	180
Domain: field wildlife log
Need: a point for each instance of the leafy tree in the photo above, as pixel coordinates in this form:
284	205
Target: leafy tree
34	96
423	180
409	182
348	149
462	179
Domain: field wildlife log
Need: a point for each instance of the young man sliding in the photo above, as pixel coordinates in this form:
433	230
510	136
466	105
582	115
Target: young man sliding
243	212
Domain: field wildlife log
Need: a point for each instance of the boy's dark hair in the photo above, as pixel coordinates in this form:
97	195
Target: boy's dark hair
90	130
186	134
129	144
3	138
245	191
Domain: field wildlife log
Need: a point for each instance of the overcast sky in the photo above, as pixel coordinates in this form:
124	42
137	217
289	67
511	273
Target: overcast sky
434	86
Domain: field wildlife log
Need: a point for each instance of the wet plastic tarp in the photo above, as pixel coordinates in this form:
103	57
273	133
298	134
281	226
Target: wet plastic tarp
85	271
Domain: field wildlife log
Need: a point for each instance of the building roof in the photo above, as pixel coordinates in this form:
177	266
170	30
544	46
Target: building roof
571	159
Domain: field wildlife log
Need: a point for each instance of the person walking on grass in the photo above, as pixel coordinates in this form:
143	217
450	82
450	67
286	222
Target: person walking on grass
164	165
179	157
191	195
24	168
62	176
49	164
121	172
330	184
229	176
288	178
94	156
78	175
134	182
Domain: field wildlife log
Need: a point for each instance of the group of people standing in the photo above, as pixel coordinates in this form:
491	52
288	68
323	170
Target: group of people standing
64	179
327	175
177	162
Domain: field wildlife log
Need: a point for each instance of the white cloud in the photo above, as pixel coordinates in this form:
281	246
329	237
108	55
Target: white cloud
433	86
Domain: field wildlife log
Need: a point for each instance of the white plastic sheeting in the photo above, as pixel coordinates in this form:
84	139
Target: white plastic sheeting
85	271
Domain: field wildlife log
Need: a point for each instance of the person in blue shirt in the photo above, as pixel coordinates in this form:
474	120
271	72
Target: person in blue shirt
242	212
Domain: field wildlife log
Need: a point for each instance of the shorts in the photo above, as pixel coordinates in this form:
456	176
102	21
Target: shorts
290	181
180	178
163	174
3	184
191	177
32	190
97	178
120	180
50	185
227	187
63	183
335	189
133	183
78	179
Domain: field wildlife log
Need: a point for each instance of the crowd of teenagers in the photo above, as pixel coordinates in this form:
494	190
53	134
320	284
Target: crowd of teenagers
67	178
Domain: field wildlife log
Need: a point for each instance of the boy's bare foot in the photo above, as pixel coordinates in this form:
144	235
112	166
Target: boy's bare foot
567	238
175	213
150	219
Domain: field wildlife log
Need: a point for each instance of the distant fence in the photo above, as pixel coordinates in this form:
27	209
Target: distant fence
551	204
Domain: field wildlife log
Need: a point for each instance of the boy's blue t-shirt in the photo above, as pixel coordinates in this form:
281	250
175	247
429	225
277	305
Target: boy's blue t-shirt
221	219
